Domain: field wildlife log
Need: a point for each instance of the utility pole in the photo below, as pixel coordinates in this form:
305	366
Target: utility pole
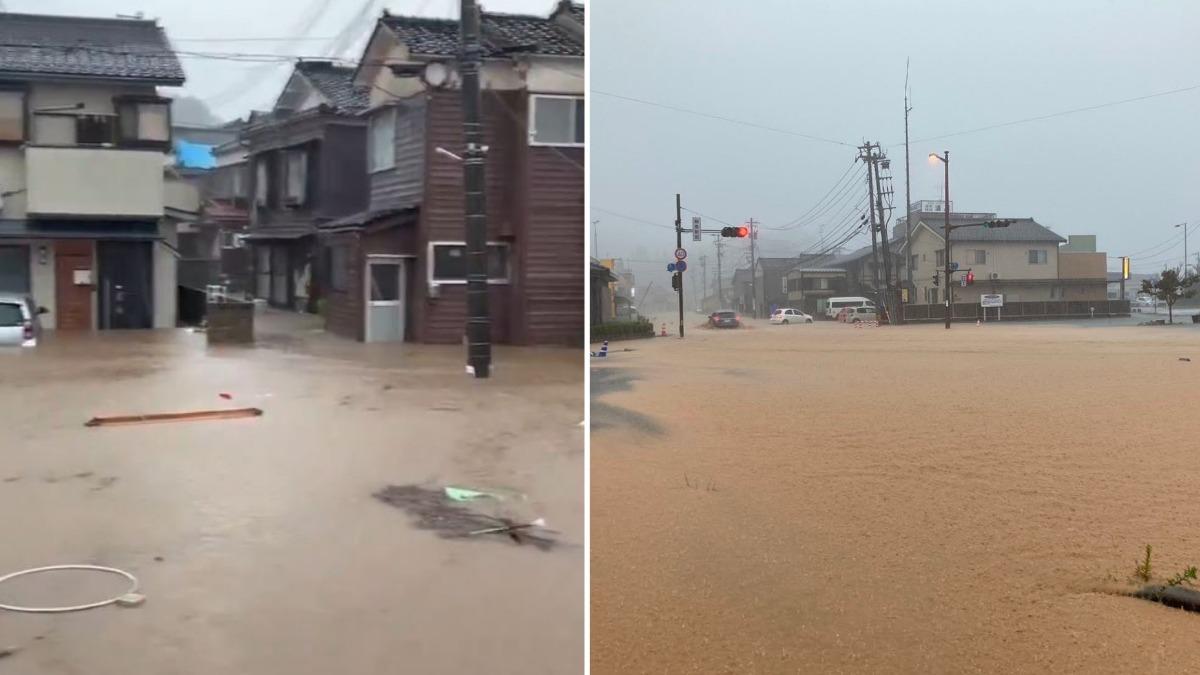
703	280
946	239
1185	255
880	161
595	239
753	274
907	190
678	245
720	283
479	345
867	155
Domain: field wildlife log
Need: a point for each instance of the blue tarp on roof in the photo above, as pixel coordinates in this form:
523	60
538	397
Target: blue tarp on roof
194	155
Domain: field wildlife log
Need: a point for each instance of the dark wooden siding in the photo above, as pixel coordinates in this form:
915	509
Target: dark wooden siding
343	171
443	319
344	309
402	186
552	246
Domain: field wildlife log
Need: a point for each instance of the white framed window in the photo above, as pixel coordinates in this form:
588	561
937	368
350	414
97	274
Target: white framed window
381	140
823	283
1037	257
556	120
448	262
144	121
785	285
980	257
940	258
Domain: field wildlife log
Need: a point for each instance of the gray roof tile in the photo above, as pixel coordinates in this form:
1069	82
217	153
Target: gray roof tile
34	44
336	83
502	33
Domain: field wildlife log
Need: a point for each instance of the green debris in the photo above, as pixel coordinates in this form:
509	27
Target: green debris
459	494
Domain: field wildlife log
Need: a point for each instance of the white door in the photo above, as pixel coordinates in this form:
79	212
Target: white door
385	299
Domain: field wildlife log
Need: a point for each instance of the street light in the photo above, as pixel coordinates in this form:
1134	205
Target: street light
945	160
1185	258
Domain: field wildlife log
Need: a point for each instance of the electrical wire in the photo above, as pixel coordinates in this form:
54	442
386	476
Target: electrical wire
631	218
722	118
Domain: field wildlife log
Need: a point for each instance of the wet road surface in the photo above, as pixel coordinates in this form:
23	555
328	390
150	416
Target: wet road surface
257	541
824	499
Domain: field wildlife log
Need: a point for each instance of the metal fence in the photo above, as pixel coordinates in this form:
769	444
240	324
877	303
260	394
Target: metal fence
1014	311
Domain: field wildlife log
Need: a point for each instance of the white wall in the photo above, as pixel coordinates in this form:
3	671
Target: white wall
12	180
94	182
166	267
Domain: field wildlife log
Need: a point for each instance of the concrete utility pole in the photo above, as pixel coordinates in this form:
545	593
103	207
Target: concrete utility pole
479	341
753	273
703	280
679	244
595	238
1185	255
867	155
881	161
945	159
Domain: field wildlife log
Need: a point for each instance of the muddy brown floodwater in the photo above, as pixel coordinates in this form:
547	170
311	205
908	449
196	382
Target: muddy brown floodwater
258	542
825	499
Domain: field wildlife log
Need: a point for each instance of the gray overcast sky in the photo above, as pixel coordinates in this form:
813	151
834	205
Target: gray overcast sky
233	88
1126	173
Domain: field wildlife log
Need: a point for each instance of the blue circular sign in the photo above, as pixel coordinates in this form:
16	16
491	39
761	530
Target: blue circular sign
680	266
670	267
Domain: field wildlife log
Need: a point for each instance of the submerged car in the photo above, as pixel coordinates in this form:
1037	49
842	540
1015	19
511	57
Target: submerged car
787	315
20	325
725	318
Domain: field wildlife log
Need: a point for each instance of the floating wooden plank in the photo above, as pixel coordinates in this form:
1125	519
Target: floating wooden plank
175	417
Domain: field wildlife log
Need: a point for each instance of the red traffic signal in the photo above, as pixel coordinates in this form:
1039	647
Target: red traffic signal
970	278
735	231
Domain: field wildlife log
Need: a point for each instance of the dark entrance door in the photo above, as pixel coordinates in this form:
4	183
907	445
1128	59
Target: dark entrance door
126	284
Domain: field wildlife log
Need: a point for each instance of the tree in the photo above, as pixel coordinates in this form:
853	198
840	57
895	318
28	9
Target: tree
1169	287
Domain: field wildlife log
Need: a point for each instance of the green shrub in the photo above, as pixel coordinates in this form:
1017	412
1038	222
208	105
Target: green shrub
622	330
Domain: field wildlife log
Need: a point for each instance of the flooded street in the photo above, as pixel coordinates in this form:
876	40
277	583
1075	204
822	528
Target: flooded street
258	541
826	499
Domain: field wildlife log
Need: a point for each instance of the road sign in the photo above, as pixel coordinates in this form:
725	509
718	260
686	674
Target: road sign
695	228
680	266
953	267
670	267
963	282
680	253
991	300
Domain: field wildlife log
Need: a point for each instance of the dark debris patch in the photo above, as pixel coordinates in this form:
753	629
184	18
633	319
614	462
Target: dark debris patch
449	520
1171	596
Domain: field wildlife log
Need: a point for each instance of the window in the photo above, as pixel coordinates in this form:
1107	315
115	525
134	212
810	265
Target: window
12	115
14	269
385	282
933	295
144	121
823	284
1037	257
980	257
913	260
941	258
11	315
557	120
297	177
261	180
450	263
381	146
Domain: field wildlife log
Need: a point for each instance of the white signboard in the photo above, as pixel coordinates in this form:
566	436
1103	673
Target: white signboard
992	300
696	228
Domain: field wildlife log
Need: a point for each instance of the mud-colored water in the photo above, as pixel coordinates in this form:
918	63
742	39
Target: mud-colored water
907	500
257	541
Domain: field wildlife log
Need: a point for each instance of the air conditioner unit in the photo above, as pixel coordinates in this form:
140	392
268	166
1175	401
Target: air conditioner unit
994	275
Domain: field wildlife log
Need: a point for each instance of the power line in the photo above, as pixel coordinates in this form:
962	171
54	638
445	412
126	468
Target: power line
631	218
795	222
1055	114
719	117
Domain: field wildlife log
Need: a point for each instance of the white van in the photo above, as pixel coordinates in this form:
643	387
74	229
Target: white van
835	305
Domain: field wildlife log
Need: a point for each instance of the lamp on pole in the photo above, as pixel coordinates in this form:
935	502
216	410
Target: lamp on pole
945	160
1185	258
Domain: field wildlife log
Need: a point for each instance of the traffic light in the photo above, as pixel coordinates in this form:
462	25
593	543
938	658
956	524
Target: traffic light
675	281
935	278
970	277
735	231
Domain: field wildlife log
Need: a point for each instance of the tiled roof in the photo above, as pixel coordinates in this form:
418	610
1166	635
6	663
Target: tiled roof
502	33
336	83
34	44
1022	229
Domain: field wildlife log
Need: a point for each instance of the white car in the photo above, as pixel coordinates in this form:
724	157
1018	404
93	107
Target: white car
788	315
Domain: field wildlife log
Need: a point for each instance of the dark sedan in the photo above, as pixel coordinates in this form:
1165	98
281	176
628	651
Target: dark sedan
725	319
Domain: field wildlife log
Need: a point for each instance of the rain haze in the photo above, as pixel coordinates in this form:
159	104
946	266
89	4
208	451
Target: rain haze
1123	172
237	55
